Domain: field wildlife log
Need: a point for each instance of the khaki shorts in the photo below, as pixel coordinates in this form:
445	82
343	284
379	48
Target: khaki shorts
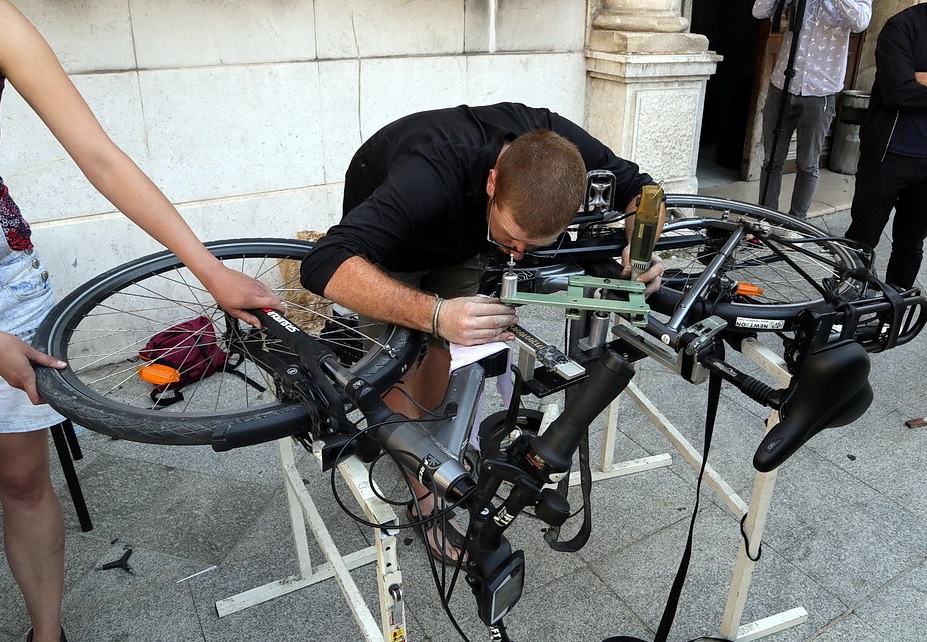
449	282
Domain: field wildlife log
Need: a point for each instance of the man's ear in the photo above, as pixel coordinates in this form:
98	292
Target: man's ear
491	183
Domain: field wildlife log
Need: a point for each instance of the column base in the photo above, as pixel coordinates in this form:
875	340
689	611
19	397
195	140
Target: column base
647	105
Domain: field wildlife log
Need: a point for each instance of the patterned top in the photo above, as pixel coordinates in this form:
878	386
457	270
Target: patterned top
823	41
16	230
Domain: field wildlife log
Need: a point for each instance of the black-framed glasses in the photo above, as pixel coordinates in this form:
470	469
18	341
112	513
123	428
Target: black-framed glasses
545	253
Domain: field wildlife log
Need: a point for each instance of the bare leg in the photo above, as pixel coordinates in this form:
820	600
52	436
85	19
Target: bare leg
33	529
427	385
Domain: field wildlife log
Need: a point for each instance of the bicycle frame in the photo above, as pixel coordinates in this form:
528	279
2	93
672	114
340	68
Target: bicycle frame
830	388
314	392
433	456
495	572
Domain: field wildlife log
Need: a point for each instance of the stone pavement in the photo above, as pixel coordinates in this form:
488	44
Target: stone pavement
846	537
834	193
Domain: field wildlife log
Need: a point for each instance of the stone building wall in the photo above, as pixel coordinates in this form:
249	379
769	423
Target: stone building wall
246	112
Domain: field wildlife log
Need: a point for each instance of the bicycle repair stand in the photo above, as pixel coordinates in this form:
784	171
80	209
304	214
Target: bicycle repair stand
303	514
753	516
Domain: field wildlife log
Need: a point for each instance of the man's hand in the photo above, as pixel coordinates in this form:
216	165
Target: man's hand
16	359
470	321
238	293
652	277
921	77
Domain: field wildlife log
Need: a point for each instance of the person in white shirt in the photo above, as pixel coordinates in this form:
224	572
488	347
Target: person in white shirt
819	67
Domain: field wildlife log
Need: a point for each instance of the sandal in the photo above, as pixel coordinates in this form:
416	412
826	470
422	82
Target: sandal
29	636
445	534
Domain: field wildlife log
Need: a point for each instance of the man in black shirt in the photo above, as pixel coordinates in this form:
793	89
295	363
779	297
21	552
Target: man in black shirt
892	172
425	194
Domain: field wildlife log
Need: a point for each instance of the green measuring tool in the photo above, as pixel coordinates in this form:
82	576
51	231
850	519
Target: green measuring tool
627	298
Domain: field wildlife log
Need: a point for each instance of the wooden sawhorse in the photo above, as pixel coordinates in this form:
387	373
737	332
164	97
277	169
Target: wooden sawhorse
303	514
756	511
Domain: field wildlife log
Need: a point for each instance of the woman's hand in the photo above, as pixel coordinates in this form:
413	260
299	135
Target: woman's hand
16	359
237	293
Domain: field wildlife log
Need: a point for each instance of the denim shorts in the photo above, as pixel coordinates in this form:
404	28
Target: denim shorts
25	299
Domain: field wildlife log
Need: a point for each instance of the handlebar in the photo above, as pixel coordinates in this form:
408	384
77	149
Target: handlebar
416	450
495	573
552	453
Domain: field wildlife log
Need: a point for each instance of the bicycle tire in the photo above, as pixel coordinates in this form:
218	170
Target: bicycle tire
689	243
89	313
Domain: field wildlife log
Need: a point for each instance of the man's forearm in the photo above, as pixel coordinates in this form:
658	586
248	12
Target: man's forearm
364	288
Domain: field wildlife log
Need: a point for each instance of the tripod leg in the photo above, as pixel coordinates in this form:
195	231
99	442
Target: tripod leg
59	433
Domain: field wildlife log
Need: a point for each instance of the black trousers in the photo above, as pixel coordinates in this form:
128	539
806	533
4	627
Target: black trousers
899	183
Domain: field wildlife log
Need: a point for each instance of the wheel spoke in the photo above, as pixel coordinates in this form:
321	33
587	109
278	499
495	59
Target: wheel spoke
101	328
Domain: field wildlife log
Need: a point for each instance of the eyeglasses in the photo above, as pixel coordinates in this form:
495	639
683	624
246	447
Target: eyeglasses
514	250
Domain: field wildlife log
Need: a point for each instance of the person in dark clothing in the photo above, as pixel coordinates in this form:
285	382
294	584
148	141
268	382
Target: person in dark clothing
428	192
892	172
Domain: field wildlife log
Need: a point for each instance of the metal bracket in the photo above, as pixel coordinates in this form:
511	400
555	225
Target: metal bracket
629	303
704	332
682	364
549	356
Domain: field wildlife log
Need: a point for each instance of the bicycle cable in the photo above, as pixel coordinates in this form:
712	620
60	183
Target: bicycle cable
432	415
394	455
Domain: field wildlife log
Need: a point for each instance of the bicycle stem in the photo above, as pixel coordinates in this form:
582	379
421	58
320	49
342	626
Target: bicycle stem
495	573
550	456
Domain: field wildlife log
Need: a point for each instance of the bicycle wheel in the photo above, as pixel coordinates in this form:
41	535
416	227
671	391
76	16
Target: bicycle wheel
100	328
780	267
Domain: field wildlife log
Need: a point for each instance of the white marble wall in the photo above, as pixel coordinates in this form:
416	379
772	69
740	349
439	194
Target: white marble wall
246	112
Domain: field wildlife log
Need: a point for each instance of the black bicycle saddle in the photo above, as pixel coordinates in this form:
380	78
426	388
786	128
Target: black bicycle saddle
830	389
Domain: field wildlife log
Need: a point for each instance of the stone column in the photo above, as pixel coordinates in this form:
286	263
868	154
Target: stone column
641	15
645	86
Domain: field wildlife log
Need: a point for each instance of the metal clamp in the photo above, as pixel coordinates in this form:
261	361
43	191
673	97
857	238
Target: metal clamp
627	298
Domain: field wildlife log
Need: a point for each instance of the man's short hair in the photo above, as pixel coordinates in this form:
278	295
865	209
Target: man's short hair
541	180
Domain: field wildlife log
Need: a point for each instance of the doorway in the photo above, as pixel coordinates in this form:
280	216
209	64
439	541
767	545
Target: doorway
731	143
733	33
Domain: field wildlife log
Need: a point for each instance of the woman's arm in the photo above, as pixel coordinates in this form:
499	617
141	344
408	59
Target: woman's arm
27	61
